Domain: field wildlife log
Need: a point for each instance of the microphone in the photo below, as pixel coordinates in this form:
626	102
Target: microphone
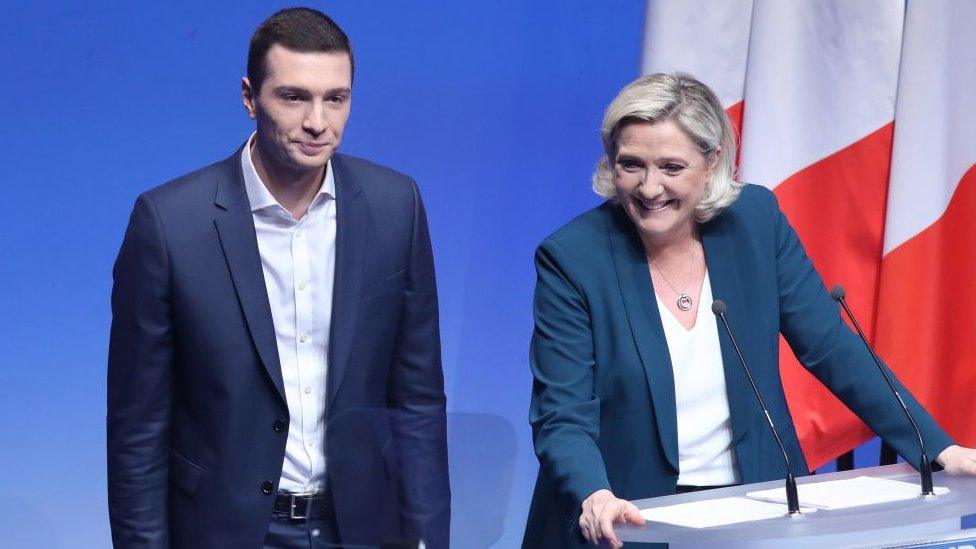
925	467
792	498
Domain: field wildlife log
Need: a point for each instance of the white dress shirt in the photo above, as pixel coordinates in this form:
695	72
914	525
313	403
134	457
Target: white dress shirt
704	431
298	260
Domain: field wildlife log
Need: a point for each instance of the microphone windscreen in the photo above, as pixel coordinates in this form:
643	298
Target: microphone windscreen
837	292
718	307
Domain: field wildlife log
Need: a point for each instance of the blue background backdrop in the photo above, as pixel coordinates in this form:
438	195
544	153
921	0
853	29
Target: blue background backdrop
492	106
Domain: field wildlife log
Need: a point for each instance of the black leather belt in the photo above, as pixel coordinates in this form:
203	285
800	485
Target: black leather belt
303	506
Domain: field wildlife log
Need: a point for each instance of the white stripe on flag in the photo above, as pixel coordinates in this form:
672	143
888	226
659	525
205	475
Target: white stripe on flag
935	132
821	76
707	39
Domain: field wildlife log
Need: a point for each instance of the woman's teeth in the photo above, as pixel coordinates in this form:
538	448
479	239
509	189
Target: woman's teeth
657	205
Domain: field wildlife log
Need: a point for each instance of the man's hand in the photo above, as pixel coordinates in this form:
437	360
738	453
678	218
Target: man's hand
957	460
601	511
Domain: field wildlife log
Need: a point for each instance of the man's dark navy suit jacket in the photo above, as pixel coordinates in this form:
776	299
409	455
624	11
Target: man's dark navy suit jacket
196	401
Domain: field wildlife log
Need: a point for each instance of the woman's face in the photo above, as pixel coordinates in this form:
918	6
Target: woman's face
660	177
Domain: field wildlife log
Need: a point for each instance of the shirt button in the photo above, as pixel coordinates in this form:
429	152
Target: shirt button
267	487
304	338
308	389
279	426
302	286
310	443
299	233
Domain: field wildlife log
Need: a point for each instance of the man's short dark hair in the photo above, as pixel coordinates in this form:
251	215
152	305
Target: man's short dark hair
297	29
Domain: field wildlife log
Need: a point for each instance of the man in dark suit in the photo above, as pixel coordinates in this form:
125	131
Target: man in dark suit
274	368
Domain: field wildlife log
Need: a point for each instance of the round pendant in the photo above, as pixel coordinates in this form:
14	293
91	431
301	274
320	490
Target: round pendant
684	302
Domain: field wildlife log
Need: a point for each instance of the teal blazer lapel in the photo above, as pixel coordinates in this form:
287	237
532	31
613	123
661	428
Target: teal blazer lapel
719	244
637	292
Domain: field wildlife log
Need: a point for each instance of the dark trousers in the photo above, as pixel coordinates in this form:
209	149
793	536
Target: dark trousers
285	533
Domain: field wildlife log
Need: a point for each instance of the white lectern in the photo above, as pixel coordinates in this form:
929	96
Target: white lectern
887	524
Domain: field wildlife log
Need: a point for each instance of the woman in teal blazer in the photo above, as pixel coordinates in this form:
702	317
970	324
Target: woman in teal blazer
603	411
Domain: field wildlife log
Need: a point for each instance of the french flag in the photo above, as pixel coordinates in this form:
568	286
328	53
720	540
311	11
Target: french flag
860	116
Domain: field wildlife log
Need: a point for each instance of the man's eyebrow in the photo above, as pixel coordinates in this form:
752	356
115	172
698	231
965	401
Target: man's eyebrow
282	90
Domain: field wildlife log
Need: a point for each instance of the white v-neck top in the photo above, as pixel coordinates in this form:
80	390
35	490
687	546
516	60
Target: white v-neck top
704	432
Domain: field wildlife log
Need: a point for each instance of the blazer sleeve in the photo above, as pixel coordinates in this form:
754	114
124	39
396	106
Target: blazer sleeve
139	385
564	410
416	397
828	348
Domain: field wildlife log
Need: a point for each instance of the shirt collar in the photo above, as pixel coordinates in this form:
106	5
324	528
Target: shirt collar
258	194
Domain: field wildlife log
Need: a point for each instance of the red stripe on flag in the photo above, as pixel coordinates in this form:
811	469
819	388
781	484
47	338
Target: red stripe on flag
837	206
735	112
927	313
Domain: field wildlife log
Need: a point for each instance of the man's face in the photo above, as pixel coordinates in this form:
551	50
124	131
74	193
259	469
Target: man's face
301	108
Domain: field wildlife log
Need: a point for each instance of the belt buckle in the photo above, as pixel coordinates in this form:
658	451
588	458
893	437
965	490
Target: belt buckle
293	505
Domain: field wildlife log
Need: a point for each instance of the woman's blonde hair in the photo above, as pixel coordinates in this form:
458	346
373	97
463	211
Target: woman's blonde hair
696	110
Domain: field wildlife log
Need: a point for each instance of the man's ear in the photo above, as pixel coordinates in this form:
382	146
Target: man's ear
248	97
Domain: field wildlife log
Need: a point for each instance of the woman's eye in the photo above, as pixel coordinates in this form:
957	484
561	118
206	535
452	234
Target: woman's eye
629	165
673	168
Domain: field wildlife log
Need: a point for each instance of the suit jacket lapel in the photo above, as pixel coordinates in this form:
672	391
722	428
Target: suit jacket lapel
351	229
720	244
637	292
235	228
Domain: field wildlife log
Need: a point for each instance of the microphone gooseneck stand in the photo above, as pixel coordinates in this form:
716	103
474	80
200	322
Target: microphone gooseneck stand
792	498
924	466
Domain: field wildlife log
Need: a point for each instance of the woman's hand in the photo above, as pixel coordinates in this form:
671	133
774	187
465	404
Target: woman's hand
601	511
957	460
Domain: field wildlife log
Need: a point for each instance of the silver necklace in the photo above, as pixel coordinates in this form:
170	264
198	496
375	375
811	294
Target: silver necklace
684	301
